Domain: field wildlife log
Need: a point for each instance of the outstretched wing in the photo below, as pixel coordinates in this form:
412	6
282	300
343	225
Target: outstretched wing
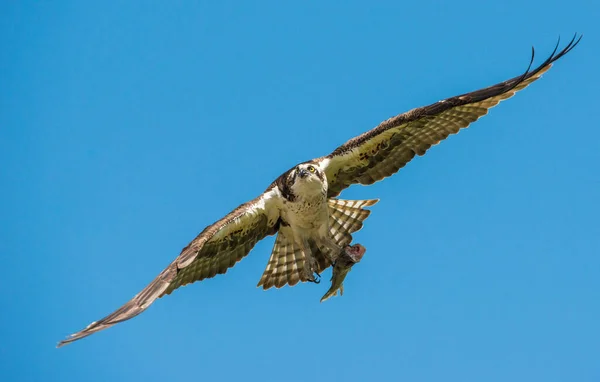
216	249
385	149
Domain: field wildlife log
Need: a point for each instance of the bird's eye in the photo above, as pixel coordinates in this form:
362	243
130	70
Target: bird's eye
312	169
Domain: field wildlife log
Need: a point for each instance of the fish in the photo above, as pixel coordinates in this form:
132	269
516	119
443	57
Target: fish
343	264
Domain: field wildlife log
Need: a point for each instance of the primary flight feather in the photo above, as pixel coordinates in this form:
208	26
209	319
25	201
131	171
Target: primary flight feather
301	207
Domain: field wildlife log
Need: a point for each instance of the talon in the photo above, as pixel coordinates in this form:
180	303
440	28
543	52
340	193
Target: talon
317	280
314	279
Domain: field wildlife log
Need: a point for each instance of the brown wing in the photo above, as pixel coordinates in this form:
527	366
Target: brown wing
217	248
385	149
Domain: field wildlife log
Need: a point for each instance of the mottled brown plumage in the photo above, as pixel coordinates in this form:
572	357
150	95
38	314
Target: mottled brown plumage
382	151
218	247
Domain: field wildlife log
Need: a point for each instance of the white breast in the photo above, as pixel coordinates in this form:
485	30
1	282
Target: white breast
311	213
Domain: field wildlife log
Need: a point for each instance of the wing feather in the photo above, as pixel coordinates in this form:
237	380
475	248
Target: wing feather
217	248
384	150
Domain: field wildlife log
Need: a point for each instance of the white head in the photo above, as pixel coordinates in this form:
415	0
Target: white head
307	179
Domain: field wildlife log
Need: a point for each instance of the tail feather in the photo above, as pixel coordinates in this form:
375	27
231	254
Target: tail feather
346	217
286	265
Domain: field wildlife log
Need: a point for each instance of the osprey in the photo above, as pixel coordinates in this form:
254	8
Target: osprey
301	206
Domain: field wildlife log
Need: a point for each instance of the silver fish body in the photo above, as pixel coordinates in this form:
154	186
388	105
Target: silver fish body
343	264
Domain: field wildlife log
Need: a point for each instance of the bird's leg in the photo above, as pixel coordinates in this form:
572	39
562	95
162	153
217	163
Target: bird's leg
310	265
334	250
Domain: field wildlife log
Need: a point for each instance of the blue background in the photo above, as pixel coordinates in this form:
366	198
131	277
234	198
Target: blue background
127	127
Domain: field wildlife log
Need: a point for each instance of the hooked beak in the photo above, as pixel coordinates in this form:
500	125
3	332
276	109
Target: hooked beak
303	173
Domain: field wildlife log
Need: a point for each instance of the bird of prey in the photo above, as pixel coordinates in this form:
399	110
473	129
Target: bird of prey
301	206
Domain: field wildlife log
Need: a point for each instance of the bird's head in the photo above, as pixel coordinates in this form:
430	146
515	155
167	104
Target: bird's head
308	178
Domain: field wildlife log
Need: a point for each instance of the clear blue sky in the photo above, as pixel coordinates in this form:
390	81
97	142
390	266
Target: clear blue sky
127	127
